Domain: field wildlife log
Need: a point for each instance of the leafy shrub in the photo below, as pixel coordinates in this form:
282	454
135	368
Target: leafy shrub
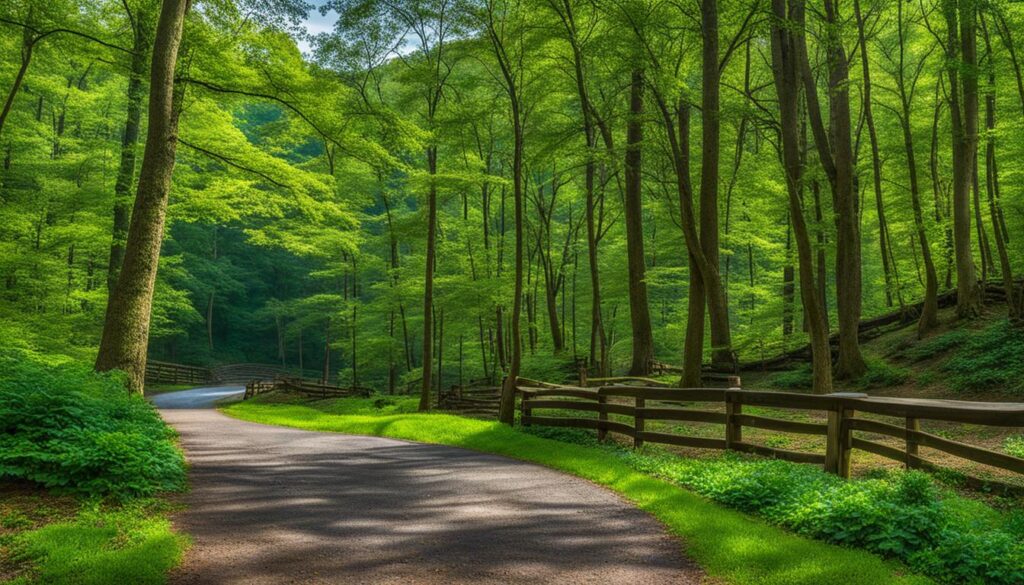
989	359
895	514
70	429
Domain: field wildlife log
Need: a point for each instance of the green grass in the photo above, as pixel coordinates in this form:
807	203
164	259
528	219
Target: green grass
1014	445
101	545
729	545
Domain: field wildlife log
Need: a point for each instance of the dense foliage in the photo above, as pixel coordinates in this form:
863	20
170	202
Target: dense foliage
301	199
900	514
69	429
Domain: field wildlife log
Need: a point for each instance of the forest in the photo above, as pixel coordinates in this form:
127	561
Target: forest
417	193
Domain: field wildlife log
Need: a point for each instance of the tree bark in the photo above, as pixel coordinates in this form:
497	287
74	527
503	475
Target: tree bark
722	355
639	313
129	143
126	326
876	161
786	70
428	281
837	160
992	183
963	95
930	309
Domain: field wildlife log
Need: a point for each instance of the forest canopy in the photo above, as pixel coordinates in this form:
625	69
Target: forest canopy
433	191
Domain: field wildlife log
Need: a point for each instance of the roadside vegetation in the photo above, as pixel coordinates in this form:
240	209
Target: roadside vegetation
895	515
83	466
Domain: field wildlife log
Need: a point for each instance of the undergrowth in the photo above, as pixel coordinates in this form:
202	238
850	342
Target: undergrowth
69	429
100	455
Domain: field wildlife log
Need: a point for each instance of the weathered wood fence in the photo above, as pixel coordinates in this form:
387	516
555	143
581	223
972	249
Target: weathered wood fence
169	373
639	405
307	388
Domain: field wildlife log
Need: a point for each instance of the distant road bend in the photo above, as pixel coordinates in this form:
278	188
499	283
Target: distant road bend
278	505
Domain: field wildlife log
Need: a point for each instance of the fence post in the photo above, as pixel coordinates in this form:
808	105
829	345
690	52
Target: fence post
638	423
583	375
602	416
913	425
524	412
733	428
840	437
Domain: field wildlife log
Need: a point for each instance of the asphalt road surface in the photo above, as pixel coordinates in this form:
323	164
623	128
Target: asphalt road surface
277	505
197	397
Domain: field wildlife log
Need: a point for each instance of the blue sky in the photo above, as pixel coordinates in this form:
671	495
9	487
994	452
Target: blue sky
317	23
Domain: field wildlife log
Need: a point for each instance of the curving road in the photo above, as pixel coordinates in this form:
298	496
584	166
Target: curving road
278	505
196	397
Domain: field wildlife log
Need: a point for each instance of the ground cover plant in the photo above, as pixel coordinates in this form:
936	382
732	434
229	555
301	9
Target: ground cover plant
67	428
81	465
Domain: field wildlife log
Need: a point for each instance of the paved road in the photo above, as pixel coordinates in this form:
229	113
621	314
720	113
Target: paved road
197	397
277	505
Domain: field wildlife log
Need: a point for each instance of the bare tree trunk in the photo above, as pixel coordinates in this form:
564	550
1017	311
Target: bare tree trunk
129	142
786	70
640	318
992	183
962	55
126	326
930	309
876	161
428	283
837	161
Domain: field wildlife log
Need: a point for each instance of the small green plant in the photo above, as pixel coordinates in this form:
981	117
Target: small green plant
934	346
1014	445
990	359
894	514
798	379
882	374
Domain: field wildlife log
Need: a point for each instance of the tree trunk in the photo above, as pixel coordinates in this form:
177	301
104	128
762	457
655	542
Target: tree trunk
428	282
876	160
129	142
786	69
639	313
992	183
126	326
837	161
722	355
962	54
930	309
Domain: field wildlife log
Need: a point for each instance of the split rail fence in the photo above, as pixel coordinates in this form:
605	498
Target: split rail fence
169	373
635	406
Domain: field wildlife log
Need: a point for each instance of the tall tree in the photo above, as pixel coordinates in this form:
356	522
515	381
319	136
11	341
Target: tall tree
787	63
639	312
835	152
126	327
962	72
139	20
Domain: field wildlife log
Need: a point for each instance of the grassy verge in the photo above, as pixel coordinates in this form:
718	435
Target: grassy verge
83	467
66	541
729	545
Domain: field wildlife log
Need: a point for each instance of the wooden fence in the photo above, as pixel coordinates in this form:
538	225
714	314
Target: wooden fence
307	388
643	404
168	373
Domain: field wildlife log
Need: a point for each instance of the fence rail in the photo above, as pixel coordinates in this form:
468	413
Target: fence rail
170	373
644	404
307	388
